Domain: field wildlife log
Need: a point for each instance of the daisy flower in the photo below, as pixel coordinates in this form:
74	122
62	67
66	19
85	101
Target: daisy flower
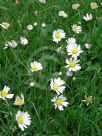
73	65
12	44
87	100
4	94
74	50
88	17
36	66
23	41
60	102
58	35
71	41
93	5
19	100
57	85
23	119
5	25
62	14
77	29
75	6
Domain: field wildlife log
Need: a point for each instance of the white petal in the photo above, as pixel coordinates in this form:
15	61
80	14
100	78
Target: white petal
10	96
60	108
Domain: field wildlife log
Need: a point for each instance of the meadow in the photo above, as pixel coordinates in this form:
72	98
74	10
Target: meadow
50	68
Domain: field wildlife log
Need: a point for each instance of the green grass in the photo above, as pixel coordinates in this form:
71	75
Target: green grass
77	119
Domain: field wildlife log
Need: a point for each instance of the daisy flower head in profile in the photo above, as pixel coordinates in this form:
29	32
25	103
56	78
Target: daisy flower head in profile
58	35
93	5
74	50
19	100
88	17
11	44
87	100
23	119
57	85
23	41
75	6
60	102
77	29
71	41
36	66
5	25
4	94
72	64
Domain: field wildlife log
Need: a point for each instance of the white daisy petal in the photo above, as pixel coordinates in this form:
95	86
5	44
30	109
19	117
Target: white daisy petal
10	96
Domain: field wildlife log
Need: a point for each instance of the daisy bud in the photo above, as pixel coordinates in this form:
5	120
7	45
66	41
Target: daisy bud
88	46
74	78
29	27
23	41
35	23
69	73
43	25
32	84
60	73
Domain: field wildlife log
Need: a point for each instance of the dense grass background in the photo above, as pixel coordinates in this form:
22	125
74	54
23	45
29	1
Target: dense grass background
77	119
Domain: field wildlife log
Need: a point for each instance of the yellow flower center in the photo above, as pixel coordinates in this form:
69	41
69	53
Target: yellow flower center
55	86
74	51
20	120
72	64
58	102
94	6
19	101
57	35
3	93
88	100
35	68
